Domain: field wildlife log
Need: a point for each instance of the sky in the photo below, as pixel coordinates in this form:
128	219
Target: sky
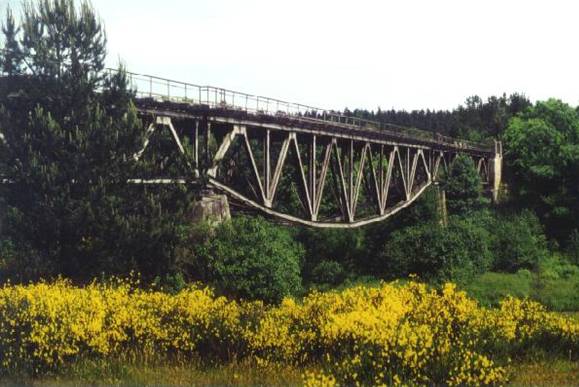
402	54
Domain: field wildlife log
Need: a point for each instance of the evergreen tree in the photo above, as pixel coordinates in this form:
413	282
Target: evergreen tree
463	187
11	55
68	152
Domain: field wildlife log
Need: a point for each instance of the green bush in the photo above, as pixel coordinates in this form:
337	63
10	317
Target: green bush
250	258
328	272
345	247
573	247
435	253
518	242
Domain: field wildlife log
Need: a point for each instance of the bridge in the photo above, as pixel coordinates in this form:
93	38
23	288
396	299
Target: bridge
295	162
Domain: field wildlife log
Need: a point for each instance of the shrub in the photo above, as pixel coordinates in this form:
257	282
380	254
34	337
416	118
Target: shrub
391	334
518	242
328	272
251	258
345	247
457	252
573	247
463	187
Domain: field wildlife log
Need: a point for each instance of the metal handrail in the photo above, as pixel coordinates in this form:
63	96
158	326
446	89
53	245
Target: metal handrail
149	86
167	89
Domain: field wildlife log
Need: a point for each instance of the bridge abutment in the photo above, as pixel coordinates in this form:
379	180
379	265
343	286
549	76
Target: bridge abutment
496	171
211	207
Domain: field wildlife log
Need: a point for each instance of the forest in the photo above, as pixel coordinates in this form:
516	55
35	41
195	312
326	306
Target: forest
72	229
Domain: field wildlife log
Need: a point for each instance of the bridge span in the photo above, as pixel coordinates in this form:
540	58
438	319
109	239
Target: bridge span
296	162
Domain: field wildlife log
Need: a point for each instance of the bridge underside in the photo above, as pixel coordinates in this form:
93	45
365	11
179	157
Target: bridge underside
300	169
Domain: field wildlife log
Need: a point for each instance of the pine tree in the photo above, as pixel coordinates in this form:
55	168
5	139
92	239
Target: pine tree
11	55
70	134
463	187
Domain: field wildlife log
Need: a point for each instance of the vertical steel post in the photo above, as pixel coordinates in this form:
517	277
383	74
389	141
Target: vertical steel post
381	174
267	164
207	145
312	172
196	143
351	175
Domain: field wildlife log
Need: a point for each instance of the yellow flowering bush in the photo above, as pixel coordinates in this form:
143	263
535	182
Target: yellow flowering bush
44	325
389	335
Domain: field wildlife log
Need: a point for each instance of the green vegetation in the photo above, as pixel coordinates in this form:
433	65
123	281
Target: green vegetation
518	242
543	157
491	287
69	150
247	258
555	284
154	372
438	254
71	131
545	372
463	187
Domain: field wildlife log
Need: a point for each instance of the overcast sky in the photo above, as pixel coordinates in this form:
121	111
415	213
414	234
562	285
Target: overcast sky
359	53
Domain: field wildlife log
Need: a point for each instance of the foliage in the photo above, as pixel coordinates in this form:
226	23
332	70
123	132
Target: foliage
491	288
369	259
390	334
10	56
474	120
70	136
573	247
543	159
518	242
463	187
347	247
433	252
328	272
557	284
250	258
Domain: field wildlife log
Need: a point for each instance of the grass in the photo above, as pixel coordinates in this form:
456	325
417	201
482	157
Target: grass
555	284
541	371
549	372
122	373
489	288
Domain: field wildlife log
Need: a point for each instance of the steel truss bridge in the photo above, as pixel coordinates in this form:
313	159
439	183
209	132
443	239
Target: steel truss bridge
262	152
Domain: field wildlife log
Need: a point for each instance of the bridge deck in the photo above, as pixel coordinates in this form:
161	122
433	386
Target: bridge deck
361	131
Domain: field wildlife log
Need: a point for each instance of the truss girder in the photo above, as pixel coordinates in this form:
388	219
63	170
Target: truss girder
361	169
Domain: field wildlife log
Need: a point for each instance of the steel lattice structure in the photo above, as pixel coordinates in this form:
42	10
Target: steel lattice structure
343	171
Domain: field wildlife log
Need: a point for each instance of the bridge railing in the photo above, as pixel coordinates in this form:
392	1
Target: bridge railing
148	86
